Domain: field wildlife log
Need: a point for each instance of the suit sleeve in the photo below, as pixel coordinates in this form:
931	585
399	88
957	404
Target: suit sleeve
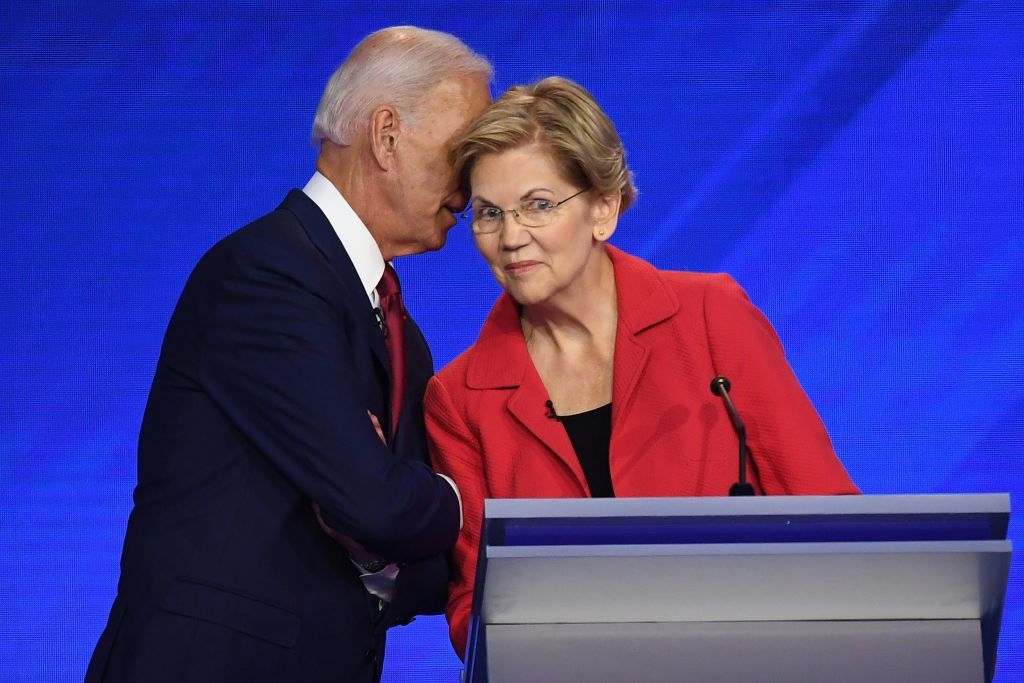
791	450
421	588
276	359
456	453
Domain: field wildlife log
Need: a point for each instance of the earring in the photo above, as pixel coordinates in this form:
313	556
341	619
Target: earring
601	233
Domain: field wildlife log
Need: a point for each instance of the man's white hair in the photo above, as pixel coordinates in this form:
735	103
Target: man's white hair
396	66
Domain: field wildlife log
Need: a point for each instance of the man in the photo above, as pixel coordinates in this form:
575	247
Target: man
266	503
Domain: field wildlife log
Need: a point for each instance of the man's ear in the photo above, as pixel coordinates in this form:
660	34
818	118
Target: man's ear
384	133
606	216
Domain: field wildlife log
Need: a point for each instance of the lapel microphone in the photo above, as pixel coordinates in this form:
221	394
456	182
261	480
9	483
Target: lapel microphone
382	322
720	386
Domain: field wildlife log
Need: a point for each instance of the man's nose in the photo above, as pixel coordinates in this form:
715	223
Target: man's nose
458	200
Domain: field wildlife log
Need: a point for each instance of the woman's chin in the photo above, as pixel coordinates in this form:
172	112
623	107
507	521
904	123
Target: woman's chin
528	296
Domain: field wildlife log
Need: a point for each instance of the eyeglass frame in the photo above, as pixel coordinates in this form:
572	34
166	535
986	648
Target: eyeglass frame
500	219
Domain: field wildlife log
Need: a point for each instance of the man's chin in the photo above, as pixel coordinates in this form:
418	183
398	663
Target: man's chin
421	246
438	241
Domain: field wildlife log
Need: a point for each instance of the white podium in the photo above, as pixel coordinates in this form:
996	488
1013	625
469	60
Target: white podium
837	588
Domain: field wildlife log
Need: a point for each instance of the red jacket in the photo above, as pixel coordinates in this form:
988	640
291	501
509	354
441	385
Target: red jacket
488	428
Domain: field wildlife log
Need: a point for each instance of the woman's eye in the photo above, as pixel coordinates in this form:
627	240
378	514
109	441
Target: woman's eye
538	205
490	213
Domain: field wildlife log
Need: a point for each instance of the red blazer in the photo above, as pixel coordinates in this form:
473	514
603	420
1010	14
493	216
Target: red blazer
488	429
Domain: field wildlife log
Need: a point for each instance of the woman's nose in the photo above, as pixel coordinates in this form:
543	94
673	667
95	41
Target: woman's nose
512	234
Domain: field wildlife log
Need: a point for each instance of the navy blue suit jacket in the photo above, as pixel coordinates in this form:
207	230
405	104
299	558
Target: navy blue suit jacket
271	360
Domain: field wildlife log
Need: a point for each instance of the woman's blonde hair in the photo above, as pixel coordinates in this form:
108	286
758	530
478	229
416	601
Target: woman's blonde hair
563	118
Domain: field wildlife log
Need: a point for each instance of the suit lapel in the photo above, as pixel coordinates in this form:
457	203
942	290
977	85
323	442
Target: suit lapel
322	235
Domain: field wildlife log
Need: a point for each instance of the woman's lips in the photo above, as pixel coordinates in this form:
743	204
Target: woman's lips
521	267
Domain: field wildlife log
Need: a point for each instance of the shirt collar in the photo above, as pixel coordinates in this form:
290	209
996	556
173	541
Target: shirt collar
353	233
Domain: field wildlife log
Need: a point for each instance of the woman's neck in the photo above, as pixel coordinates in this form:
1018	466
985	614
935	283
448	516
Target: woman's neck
583	313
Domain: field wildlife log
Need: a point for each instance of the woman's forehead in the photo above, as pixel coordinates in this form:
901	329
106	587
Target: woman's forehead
515	171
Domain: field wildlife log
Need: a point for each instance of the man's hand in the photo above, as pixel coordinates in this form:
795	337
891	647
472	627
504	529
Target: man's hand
354	549
376	425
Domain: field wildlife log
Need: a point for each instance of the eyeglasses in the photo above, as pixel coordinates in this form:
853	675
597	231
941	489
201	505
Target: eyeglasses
533	213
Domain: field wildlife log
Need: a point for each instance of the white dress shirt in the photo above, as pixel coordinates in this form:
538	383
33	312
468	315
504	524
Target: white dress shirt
354	235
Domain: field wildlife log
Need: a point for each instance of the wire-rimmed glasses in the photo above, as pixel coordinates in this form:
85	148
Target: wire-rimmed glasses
532	213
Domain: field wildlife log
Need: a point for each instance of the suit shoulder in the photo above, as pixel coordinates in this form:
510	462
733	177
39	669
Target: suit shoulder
271	250
272	231
275	242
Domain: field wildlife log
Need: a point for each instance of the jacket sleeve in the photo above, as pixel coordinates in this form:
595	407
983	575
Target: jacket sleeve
791	451
456	453
421	588
277	360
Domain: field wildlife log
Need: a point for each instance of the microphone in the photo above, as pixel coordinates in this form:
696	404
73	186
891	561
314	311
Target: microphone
382	322
720	386
551	414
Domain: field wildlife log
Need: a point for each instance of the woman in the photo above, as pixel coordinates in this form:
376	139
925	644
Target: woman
591	374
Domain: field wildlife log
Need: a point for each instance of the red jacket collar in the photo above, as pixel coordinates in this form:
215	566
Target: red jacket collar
500	359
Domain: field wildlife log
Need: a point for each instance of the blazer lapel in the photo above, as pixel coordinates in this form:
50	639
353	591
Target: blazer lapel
501	361
644	301
528	405
630	362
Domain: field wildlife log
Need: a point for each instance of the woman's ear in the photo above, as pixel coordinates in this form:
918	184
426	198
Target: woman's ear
384	133
606	216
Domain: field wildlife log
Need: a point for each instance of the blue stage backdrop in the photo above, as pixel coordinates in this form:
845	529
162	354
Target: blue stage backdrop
858	166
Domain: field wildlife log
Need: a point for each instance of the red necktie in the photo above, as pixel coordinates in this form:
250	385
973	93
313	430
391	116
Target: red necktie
394	338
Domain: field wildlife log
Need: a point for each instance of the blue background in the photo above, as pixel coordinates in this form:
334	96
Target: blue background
857	166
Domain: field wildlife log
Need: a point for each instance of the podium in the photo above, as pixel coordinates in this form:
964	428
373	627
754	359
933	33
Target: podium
809	588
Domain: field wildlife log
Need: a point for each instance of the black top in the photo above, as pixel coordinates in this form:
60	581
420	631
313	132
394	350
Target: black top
591	433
